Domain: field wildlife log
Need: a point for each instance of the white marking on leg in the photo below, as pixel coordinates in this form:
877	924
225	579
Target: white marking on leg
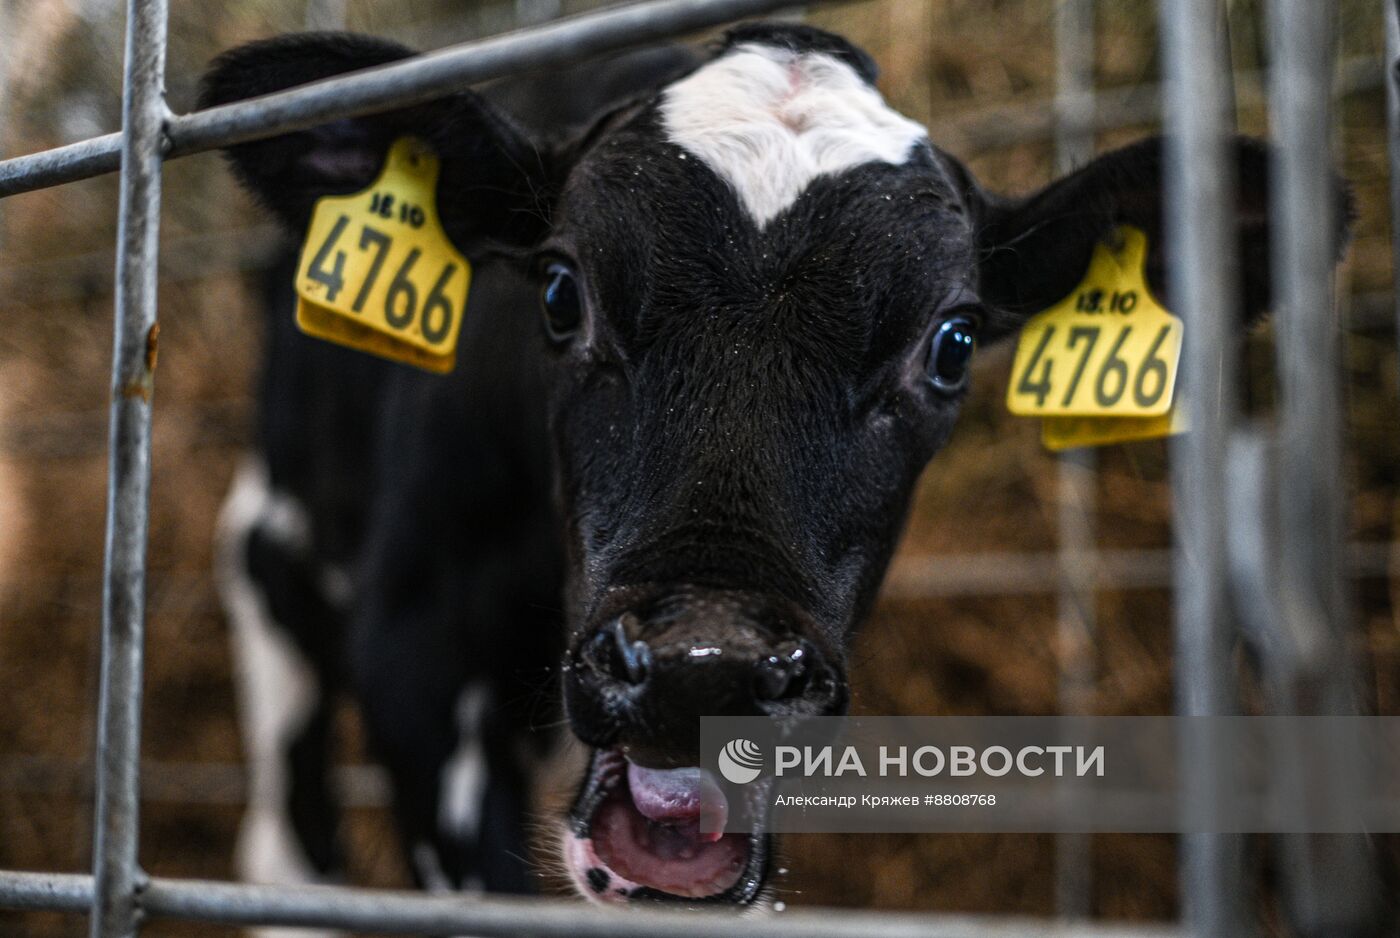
463	782
284	520
277	692
770	120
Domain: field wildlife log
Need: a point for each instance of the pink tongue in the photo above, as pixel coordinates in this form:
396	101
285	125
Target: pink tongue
677	796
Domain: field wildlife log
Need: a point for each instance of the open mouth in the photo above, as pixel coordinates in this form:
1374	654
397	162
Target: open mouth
635	833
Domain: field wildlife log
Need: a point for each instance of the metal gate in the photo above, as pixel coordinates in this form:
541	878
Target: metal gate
1242	528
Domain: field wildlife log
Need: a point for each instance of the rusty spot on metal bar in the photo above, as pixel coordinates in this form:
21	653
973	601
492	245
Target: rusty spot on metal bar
140	388
152	348
144	385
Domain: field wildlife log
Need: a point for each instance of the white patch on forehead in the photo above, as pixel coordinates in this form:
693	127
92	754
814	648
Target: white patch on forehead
770	120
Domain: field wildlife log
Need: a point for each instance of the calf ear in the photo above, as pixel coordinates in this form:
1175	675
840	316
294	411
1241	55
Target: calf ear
1034	251
493	184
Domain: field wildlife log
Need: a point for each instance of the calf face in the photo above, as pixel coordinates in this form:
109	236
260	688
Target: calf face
760	293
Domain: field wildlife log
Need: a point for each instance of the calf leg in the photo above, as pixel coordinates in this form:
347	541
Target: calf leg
459	792
285	683
483	797
456	617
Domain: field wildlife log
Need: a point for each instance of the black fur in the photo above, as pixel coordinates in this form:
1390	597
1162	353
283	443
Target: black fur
723	455
494	187
800	38
1033	250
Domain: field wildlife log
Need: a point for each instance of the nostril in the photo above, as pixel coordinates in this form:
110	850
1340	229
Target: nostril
782	674
635	656
614	653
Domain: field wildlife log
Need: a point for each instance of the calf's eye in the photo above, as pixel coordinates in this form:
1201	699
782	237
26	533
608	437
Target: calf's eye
563	308
950	354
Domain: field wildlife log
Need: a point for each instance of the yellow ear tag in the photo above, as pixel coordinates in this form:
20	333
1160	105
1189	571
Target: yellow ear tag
1106	355
377	272
1062	433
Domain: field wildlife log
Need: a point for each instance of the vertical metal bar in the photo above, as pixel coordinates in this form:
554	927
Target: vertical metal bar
1309	341
1199	194
1391	13
1074	145
1328	879
116	875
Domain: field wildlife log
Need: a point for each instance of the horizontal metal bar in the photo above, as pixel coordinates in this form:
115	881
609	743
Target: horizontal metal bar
486	916
928	576
974	131
96	156
414	81
181	783
56	892
996	573
970	132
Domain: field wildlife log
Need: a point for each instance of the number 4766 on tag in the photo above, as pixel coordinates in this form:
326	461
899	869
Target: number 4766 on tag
1106	350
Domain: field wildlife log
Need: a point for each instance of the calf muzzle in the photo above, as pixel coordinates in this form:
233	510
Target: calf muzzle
641	680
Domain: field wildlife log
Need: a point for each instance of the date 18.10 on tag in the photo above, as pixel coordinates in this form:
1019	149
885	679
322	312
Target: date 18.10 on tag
377	271
1101	365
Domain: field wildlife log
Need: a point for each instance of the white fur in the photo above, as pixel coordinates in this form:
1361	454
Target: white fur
284	520
463	780
770	120
277	687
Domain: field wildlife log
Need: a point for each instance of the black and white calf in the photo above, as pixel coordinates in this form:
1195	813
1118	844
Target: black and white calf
714	338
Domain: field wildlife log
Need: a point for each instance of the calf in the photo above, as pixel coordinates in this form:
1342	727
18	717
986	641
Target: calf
713	339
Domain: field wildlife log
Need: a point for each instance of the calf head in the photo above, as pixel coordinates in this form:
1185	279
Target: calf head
760	291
